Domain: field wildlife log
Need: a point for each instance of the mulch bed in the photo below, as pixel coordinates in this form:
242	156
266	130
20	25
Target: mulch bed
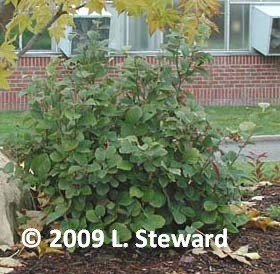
107	260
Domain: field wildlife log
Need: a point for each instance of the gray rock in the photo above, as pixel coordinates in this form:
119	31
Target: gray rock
10	201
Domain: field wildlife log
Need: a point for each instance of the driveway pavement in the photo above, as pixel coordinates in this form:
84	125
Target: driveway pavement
267	143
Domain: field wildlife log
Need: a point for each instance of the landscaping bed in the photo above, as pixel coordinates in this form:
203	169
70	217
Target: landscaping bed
172	261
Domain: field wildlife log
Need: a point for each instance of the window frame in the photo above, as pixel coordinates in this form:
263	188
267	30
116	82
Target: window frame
216	52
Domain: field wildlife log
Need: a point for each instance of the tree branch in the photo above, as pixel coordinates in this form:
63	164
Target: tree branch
38	35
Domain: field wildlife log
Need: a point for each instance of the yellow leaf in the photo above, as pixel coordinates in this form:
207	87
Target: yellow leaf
262	223
7	53
96	5
4	74
44	249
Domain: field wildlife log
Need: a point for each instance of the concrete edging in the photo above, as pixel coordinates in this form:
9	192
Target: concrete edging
256	138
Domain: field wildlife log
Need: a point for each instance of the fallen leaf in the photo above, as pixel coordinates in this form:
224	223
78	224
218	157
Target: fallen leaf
4	270
26	255
264	183
239	258
239	255
274	224
248	204
253	255
198	251
217	251
44	249
262	223
4	248
257	198
252	213
9	262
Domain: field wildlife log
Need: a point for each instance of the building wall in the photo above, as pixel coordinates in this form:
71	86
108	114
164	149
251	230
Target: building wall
233	80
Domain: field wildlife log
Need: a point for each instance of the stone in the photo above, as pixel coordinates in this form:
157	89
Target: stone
10	201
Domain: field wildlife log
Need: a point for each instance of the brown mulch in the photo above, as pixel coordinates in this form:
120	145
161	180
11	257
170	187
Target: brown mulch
107	260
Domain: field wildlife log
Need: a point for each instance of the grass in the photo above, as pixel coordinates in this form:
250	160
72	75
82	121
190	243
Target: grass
9	120
267	122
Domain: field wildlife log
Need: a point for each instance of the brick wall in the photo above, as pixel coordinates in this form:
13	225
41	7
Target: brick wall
233	80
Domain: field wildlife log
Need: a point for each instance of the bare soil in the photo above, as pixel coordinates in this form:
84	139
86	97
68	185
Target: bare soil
108	260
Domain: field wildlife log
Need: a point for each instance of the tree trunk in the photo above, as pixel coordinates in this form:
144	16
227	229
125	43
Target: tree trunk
6	13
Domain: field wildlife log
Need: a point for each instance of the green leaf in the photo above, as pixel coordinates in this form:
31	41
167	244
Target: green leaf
155	198
124	199
178	216
153	222
209	217
91	216
134	191
9	167
86	190
100	210
123	233
56	157
209	205
102	189
60	210
94	167
192	156
241	219
124	165
41	165
100	154
134	114
69	145
175	171
188	211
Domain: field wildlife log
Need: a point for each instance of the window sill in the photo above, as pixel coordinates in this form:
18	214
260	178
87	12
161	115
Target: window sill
40	53
144	53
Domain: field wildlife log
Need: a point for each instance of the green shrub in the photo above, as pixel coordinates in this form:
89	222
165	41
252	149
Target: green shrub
126	153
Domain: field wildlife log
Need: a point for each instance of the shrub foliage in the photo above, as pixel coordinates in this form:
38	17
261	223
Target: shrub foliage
126	153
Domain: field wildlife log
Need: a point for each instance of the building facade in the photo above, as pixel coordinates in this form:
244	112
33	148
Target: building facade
241	72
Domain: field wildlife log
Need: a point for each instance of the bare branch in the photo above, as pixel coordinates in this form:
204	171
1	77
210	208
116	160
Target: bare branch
38	35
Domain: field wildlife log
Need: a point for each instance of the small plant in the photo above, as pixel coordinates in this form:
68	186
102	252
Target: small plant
258	167
264	106
274	211
275	177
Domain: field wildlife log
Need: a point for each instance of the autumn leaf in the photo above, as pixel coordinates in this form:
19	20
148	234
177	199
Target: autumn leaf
45	249
262	223
4	74
9	262
95	5
240	255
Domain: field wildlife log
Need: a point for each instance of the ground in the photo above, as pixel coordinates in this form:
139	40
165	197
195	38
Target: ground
119	261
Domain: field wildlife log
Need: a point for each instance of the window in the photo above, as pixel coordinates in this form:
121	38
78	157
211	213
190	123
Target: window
132	33
275	37
127	33
217	39
239	27
85	24
44	43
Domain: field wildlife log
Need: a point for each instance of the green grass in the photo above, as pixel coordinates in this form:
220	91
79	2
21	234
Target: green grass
268	122
8	122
